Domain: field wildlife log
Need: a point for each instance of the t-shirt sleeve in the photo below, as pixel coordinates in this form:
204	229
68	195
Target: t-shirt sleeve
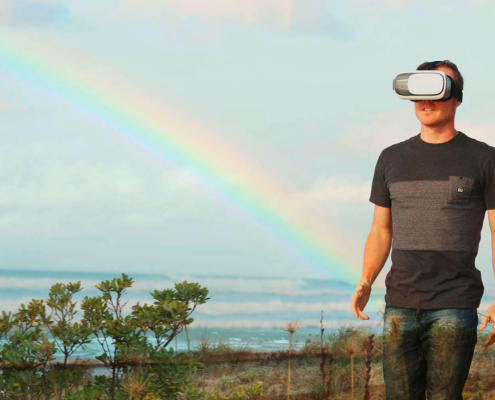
379	190
489	183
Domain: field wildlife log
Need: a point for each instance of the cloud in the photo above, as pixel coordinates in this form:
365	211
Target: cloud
341	200
4	12
37	14
303	16
311	16
478	130
337	189
55	194
367	139
8	106
384	4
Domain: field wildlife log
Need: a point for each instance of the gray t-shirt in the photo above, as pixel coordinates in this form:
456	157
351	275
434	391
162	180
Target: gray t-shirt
438	194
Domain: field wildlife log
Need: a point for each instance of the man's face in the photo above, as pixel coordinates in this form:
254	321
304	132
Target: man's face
433	113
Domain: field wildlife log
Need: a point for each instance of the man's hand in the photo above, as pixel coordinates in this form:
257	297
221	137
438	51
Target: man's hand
375	254
360	298
489	317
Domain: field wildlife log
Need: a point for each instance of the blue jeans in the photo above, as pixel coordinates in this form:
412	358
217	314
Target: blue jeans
427	353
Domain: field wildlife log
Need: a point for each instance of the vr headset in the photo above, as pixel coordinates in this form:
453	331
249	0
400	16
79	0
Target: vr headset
426	85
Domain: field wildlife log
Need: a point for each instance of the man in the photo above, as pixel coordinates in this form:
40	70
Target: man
430	194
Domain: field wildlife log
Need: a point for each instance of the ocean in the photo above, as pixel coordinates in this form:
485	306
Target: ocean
242	312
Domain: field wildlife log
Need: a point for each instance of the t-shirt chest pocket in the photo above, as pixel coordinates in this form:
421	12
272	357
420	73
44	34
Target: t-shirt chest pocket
460	189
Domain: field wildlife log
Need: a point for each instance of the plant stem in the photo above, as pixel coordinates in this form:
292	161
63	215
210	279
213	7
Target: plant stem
352	376
187	338
288	375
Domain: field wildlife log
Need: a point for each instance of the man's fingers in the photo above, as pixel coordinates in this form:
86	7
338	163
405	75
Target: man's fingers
491	339
354	310
358	313
354	306
357	306
362	315
485	321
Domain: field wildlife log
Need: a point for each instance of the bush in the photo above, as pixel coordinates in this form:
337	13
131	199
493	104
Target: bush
31	337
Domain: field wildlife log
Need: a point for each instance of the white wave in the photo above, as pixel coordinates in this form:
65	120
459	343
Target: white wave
13	305
278	306
46	283
269	324
285	287
26	283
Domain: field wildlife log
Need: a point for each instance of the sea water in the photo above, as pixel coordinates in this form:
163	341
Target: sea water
242	312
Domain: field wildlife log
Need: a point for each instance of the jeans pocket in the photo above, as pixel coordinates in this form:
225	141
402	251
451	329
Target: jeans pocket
465	318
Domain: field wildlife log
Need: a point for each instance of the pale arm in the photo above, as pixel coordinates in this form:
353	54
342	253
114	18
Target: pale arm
375	254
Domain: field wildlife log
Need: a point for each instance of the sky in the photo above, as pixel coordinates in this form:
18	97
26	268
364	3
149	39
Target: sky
215	137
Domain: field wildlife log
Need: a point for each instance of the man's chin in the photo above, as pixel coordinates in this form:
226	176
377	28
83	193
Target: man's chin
432	123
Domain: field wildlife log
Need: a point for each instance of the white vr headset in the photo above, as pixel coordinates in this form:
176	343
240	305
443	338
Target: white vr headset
426	85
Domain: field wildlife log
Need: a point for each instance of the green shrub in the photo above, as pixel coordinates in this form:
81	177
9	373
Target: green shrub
30	339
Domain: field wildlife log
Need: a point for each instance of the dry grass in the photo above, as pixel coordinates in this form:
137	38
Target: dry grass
223	373
306	377
227	371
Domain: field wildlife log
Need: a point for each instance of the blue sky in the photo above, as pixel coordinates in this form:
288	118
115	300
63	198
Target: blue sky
302	89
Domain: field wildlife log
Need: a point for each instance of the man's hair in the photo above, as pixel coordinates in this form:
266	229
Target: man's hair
429	65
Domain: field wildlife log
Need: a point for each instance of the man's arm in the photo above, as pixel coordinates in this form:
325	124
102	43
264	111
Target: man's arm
377	245
375	254
491	222
490	313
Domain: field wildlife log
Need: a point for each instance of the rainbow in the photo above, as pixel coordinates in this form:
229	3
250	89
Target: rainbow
166	136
